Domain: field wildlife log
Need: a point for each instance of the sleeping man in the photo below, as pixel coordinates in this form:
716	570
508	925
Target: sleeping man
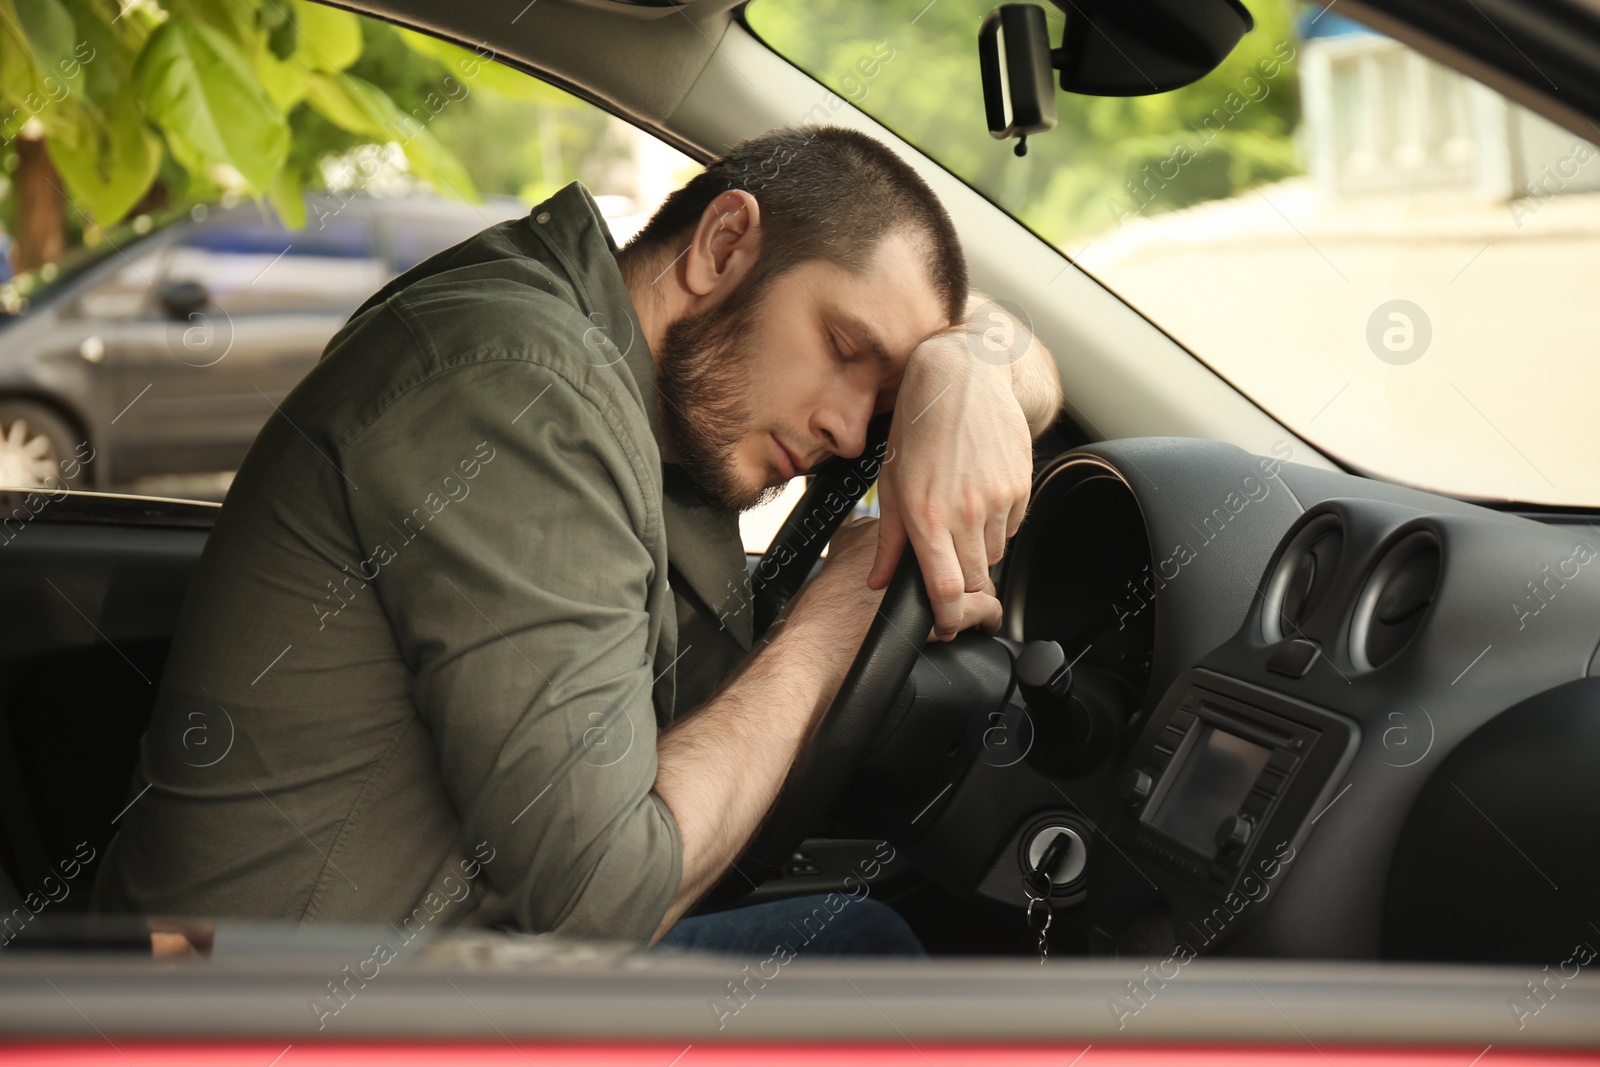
467	645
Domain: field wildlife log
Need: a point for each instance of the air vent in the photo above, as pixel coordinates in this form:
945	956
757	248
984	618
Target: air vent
1395	602
1301	577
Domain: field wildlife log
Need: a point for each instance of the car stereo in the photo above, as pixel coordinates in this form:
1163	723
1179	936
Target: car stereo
1214	775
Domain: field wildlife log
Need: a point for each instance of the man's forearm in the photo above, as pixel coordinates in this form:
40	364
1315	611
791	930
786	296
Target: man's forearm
719	768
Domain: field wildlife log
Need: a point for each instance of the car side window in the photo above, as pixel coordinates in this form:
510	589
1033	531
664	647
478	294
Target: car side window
259	284
411	240
250	267
125	293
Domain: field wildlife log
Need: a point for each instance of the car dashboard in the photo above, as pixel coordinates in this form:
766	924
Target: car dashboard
1264	735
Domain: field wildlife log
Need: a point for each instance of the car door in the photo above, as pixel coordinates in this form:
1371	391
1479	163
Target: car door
243	309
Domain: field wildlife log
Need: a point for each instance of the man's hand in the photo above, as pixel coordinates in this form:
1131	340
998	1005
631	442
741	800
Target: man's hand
842	594
959	480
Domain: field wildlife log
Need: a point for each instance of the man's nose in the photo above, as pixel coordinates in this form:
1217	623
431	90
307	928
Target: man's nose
843	426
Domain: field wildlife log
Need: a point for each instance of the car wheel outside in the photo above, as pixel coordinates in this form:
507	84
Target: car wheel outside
33	442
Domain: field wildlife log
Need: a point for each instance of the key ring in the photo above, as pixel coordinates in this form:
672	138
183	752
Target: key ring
1038	927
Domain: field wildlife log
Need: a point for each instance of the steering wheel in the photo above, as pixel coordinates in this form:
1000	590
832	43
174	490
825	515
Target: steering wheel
841	739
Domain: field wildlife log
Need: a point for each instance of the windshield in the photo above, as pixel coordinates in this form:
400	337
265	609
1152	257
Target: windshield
1393	260
33	287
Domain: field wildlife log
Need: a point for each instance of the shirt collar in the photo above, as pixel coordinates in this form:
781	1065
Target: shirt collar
572	228
703	542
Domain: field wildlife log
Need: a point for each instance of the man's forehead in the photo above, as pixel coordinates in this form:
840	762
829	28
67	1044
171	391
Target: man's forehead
891	304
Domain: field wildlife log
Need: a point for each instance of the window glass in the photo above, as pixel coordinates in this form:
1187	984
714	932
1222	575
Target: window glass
1394	260
414	240
250	266
474	142
126	292
64	278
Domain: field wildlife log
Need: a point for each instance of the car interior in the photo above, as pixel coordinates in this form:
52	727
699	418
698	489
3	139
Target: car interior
1249	699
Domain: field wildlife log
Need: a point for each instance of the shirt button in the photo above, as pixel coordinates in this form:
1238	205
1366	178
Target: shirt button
542	217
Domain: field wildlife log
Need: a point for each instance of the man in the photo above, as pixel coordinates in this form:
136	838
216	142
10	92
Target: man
453	651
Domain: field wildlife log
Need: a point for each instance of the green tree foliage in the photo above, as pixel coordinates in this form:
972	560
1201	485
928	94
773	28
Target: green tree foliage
1106	160
193	98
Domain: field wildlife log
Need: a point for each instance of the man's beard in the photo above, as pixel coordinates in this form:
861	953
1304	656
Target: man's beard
703	376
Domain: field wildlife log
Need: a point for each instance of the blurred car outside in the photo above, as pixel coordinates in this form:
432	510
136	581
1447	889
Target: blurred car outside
149	362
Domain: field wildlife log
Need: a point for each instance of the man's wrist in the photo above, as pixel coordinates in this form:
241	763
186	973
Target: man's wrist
962	350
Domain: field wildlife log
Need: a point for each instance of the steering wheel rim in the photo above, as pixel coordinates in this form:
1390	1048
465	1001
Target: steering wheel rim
839	741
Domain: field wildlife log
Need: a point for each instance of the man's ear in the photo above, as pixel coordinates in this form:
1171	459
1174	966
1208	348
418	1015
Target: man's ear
724	245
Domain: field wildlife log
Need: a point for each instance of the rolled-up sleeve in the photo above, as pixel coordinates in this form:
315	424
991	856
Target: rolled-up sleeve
514	504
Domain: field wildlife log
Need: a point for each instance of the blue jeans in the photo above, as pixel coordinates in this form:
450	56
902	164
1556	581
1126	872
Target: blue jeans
835	924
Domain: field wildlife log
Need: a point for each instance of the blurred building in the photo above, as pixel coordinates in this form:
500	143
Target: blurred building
1381	118
1426	196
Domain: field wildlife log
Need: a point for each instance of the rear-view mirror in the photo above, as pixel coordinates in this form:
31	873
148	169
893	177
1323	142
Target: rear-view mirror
1141	47
1108	48
1014	54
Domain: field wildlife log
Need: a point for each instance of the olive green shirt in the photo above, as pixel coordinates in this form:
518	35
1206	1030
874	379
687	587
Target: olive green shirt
419	673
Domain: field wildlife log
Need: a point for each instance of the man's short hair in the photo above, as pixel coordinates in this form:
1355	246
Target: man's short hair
826	193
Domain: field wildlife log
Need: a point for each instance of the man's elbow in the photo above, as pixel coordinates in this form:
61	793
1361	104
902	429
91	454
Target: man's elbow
1038	388
610	880
1034	377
